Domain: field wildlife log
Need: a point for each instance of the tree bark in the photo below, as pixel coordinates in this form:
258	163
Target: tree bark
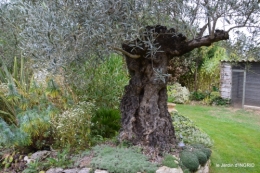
145	117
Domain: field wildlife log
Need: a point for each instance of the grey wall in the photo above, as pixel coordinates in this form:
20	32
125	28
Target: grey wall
252	88
252	93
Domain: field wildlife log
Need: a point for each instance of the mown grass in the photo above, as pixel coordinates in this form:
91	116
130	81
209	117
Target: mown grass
236	136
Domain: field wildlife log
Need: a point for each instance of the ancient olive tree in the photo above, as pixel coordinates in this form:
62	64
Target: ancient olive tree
149	33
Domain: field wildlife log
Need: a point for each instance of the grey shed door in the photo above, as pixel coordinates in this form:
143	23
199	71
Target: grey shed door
252	91
237	88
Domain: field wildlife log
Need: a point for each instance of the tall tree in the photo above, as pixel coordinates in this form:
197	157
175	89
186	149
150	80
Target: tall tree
245	47
200	68
10	23
149	33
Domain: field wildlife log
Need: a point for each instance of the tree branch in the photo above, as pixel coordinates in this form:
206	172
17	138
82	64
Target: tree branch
207	40
126	53
241	26
214	23
196	43
245	22
195	13
202	30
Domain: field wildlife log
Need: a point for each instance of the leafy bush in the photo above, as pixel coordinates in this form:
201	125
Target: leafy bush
189	131
121	160
215	99
62	160
214	94
73	127
105	122
201	156
198	95
103	83
33	129
201	153
33	167
189	160
220	101
177	93
169	161
29	113
192	156
36	124
28	108
12	86
202	148
186	170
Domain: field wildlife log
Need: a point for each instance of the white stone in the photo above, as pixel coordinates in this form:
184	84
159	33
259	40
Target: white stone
26	158
165	169
75	170
39	155
85	170
100	171
70	170
204	169
55	170
175	157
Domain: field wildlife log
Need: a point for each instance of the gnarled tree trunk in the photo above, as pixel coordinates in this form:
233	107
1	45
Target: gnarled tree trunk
145	117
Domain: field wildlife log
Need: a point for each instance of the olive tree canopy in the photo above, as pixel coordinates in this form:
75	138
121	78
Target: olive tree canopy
65	30
149	33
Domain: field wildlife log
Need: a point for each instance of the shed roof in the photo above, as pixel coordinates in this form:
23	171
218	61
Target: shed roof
243	60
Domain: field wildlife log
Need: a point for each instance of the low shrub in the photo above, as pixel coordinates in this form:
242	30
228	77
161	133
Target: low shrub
27	108
33	167
219	101
192	156
203	153
214	98
12	136
214	94
177	93
103	82
169	161
202	148
189	131
105	122
62	160
186	171
207	151
189	160
34	129
121	160
198	95
73	127
36	124
201	156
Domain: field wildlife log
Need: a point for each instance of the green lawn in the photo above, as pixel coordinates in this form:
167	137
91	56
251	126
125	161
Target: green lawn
236	136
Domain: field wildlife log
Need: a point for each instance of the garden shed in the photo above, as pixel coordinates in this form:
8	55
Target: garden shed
240	82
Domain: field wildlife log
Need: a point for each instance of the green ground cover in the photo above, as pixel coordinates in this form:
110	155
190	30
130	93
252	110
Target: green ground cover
236	136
